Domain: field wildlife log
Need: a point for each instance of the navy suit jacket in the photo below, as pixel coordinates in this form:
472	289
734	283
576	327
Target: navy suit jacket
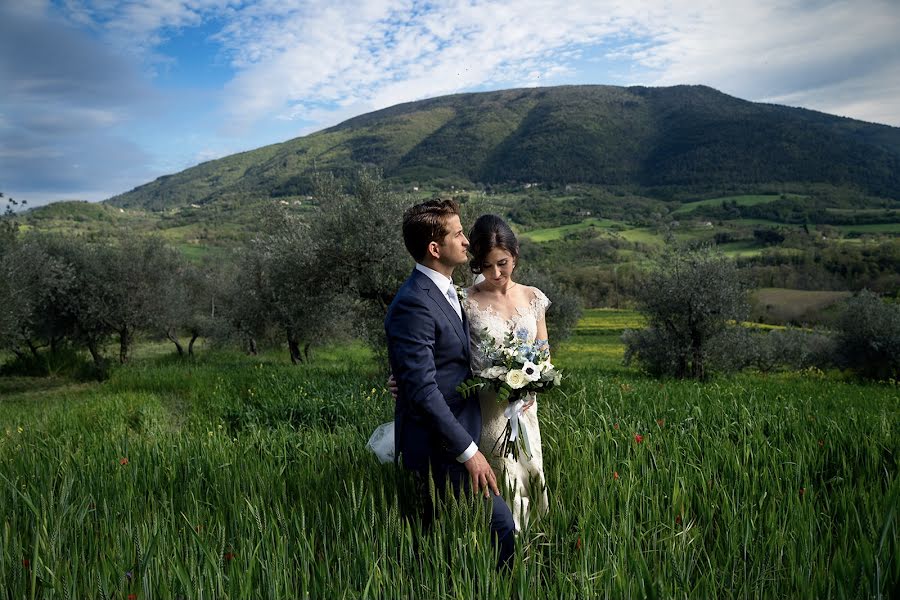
428	347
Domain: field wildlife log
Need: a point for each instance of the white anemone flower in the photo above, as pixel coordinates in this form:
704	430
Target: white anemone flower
531	370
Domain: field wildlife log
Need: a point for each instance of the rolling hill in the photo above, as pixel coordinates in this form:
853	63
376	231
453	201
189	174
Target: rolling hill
660	140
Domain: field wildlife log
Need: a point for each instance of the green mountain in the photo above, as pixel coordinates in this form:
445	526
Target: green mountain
660	140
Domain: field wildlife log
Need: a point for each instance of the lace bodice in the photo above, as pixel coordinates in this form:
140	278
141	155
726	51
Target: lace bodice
485	320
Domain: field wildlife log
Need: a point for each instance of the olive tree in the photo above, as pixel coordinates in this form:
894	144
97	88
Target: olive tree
244	309
302	293
8	225
693	300
135	274
359	249
35	280
78	303
869	336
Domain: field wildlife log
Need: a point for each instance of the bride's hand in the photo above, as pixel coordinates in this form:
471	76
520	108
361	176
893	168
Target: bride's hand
392	386
529	401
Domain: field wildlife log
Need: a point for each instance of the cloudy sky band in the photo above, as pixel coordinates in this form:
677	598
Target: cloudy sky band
101	96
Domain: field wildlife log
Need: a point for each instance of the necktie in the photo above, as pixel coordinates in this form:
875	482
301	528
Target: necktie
454	301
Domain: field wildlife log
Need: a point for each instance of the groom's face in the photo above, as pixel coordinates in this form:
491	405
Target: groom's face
454	245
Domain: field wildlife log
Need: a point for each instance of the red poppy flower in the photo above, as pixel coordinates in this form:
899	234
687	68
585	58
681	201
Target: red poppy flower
132	596
26	563
678	519
578	544
616	475
615	425
660	422
123	461
229	556
638	438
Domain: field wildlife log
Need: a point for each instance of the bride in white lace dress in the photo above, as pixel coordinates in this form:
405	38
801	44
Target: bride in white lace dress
495	306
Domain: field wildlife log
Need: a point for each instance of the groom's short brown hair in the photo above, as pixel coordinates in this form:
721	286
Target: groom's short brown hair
425	223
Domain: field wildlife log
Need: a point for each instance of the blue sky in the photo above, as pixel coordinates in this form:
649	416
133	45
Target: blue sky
100	96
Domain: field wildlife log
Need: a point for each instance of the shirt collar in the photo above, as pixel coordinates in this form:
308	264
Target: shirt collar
442	281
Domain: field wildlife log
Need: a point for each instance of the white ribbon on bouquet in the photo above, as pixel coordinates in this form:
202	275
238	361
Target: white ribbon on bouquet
512	412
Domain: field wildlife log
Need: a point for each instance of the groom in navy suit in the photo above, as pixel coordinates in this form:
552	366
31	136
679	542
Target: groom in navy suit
436	430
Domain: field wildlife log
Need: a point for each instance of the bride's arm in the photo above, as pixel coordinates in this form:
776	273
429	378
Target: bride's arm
541	336
542	332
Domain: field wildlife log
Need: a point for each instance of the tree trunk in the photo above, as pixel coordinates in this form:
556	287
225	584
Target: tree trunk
294	348
33	348
100	366
252	344
306	348
124	344
697	357
95	354
174	339
194	335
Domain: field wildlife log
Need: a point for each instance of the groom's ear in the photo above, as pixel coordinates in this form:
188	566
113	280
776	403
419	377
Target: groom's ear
434	250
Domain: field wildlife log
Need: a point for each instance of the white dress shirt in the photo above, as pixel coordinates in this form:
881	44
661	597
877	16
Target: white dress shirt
444	284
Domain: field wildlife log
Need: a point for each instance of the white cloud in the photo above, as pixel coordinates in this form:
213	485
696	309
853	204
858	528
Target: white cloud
396	51
294	56
301	65
373	55
810	53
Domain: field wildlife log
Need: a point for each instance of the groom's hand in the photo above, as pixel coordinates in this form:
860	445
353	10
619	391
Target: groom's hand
482	475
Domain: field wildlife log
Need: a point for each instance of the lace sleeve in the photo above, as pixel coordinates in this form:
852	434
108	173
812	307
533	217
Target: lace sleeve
540	303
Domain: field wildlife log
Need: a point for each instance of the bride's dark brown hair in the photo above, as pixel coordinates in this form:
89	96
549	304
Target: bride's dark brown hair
488	233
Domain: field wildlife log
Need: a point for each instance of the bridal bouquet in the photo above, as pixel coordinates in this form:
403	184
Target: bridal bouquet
516	369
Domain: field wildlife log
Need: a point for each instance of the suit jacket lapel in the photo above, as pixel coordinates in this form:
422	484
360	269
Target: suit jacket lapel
465	324
435	294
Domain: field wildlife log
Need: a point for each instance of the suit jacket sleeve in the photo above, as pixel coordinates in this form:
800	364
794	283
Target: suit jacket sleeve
410	329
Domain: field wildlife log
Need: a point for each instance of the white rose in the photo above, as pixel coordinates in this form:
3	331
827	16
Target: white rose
516	379
532	371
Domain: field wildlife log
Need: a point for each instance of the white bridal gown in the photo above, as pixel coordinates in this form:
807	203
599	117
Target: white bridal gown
524	477
522	481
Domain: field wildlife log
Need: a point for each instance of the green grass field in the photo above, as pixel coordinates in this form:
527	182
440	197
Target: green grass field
745	200
885	228
741	249
555	233
785	305
234	477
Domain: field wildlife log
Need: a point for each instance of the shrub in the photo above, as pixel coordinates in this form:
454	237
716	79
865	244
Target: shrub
869	337
565	305
691	298
794	349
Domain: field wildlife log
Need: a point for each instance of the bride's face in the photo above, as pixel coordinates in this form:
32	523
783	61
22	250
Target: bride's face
497	268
